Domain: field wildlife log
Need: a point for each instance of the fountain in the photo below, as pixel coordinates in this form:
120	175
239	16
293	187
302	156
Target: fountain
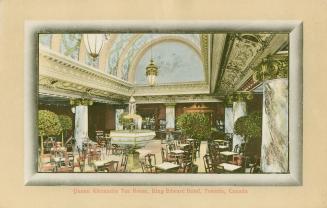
134	136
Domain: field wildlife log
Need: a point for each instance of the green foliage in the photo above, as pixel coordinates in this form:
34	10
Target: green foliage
217	134
249	126
66	122
194	125
125	121
48	123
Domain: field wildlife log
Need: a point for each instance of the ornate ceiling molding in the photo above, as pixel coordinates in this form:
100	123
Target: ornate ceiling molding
177	99
218	46
245	48
62	68
60	74
55	87
171	89
278	41
204	42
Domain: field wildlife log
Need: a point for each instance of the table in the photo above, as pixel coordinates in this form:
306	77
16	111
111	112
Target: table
177	151
228	153
100	163
183	145
223	146
230	167
167	167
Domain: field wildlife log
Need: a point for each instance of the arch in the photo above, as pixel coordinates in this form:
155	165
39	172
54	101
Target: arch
125	53
146	47
117	53
105	52
179	62
131	50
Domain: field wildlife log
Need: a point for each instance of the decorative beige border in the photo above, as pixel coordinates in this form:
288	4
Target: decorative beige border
295	112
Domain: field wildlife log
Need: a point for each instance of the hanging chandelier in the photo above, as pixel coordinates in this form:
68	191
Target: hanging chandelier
151	73
93	44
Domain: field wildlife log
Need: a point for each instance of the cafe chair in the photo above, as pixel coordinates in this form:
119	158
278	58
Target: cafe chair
150	162
166	157
218	168
207	164
111	167
123	164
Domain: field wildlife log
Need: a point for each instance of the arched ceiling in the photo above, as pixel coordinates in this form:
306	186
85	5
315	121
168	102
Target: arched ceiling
126	48
122	52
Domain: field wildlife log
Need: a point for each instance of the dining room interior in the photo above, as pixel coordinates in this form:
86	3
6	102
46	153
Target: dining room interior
182	103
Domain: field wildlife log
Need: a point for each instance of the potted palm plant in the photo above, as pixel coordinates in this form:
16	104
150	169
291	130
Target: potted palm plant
250	127
66	125
194	125
48	125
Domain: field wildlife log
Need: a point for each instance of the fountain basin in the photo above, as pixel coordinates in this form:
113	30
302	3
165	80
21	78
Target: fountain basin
137	138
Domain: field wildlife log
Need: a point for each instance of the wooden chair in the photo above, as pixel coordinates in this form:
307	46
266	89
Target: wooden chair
111	167
207	164
147	169
67	166
123	163
186	168
149	162
170	147
166	157
218	168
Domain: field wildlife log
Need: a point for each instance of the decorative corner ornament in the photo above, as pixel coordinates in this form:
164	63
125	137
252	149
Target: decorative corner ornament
272	67
81	101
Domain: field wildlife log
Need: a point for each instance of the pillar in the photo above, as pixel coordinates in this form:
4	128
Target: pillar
274	149
229	120
81	120
170	116
118	125
239	110
81	124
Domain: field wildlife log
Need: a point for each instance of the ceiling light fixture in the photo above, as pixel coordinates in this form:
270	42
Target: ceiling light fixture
93	44
151	70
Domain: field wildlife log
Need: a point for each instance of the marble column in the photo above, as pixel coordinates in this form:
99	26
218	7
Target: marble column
239	110
118	125
274	149
81	124
170	116
229	120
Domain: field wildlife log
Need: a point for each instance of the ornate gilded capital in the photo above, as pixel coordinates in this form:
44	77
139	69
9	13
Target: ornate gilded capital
238	96
272	67
81	101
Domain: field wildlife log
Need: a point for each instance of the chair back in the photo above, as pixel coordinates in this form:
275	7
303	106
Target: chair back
207	164
150	162
123	164
111	166
163	154
218	169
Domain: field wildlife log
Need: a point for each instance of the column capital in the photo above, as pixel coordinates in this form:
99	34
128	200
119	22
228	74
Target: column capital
238	96
272	67
81	101
170	104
